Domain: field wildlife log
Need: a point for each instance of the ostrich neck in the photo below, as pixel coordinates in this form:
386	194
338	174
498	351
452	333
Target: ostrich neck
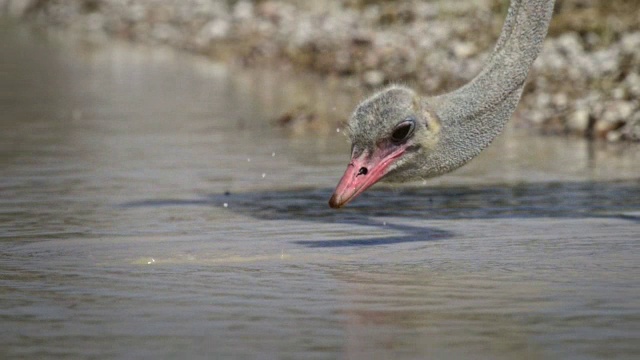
474	115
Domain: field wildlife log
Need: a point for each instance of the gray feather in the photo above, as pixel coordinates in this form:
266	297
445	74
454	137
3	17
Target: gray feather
474	115
458	125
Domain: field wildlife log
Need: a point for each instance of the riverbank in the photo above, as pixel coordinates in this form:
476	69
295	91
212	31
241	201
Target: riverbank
586	81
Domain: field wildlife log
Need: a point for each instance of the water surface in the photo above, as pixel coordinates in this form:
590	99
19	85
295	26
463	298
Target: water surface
149	208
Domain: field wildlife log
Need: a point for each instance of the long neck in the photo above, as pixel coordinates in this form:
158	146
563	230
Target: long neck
474	115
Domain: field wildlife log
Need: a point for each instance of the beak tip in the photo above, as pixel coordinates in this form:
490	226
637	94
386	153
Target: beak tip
334	203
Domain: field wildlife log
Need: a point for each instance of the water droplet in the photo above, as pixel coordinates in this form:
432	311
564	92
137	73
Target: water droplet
225	205
273	154
338	130
264	175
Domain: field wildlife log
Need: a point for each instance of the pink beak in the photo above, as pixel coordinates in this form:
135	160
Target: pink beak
362	172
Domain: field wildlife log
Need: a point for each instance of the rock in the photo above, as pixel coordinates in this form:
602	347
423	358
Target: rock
613	117
560	100
374	78
630	43
618	93
243	10
463	50
614	136
603	127
618	111
578	121
631	130
632	83
213	30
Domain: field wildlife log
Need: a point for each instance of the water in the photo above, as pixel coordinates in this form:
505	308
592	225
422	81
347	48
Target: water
135	222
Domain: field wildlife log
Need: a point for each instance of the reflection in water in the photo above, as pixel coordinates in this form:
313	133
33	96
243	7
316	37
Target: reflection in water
115	240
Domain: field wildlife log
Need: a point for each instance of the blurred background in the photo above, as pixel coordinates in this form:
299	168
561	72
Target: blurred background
586	82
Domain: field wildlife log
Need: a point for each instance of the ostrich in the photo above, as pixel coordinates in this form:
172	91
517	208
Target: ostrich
397	135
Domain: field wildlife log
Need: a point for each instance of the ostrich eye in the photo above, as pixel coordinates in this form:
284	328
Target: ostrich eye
403	131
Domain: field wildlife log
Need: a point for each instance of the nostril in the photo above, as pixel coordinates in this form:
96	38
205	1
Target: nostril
363	171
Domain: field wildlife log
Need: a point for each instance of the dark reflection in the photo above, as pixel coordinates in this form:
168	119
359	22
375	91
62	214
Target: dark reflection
309	205
528	200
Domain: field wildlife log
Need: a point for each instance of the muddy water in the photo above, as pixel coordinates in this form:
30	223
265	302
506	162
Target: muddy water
149	209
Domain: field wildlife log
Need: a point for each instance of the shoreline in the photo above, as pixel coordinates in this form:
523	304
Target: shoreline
586	82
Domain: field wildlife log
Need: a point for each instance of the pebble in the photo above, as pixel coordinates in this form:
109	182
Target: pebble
579	121
374	78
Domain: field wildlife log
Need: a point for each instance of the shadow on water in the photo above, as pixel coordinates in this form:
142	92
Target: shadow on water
614	199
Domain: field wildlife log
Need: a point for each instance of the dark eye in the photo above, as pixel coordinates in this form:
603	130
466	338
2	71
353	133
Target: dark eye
403	131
